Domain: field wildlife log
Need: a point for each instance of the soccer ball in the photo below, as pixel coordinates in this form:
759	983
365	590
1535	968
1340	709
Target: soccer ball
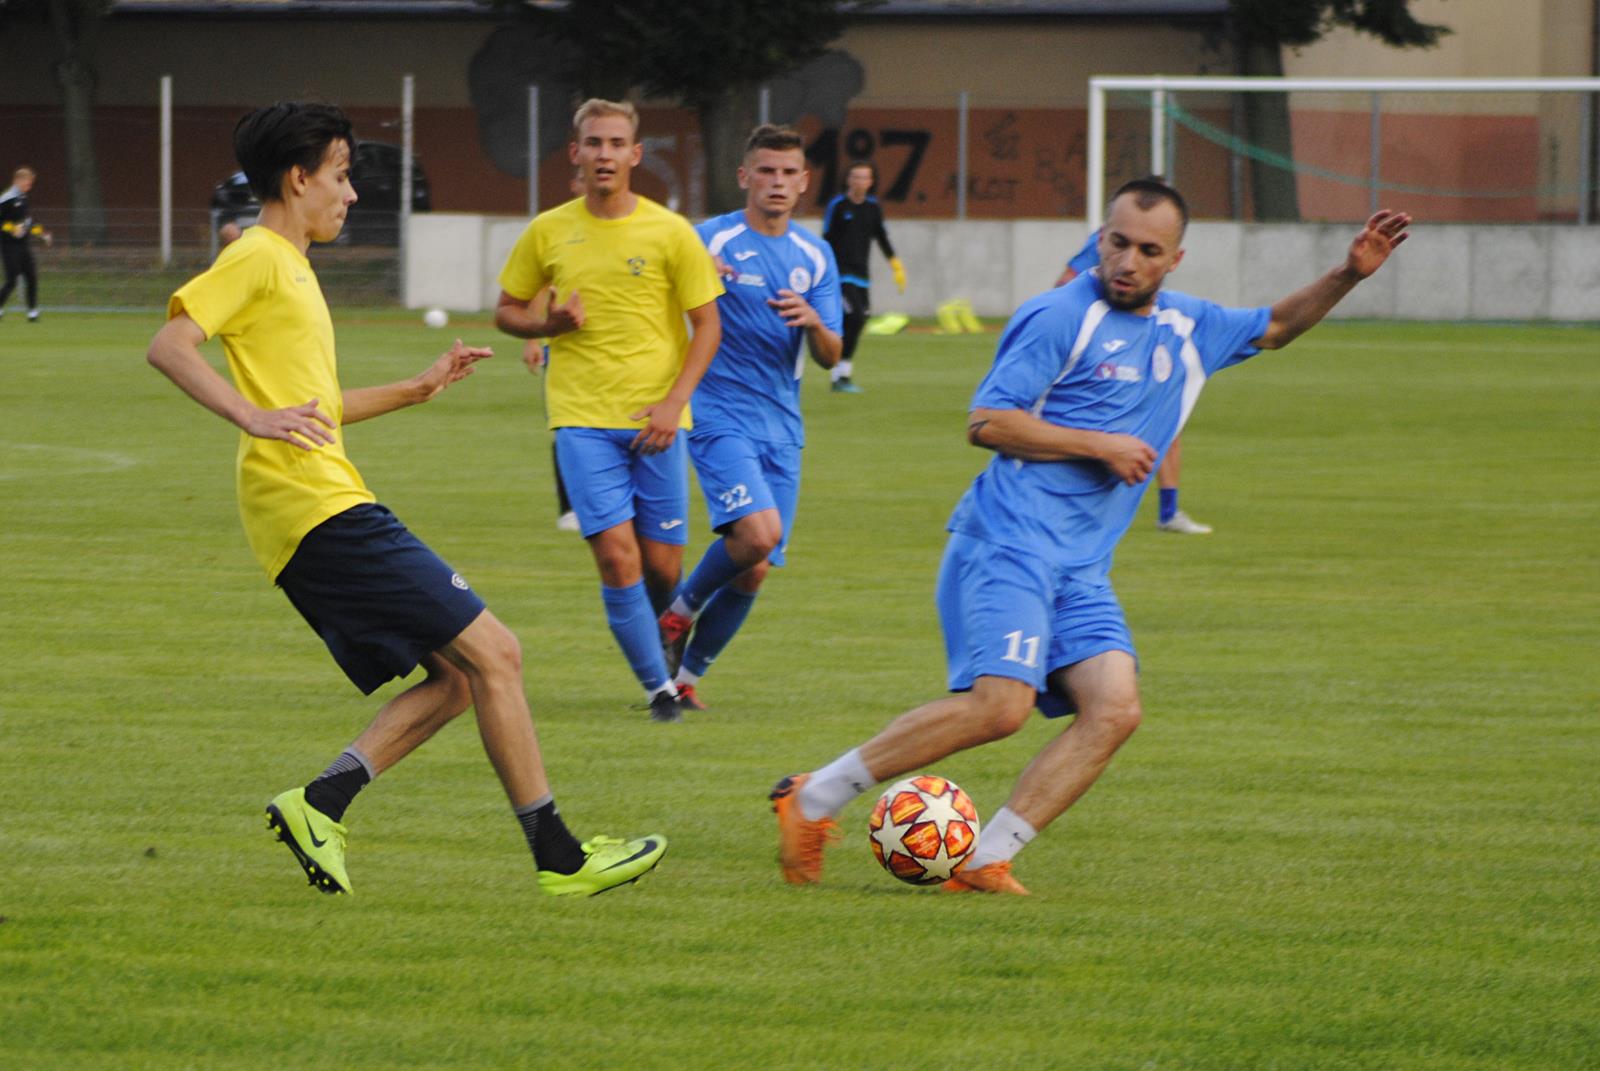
923	829
436	318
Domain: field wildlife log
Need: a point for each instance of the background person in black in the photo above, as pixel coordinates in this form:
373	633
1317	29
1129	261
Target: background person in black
16	229
852	222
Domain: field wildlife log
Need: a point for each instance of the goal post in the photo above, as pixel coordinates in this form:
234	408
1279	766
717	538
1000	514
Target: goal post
1162	89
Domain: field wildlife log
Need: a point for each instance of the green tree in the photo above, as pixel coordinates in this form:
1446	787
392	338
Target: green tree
712	55
1262	29
75	25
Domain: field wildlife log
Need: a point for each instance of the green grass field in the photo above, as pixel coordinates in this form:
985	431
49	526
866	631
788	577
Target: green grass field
1359	829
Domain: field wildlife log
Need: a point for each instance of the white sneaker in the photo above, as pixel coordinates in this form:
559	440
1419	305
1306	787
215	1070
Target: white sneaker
1183	524
568	522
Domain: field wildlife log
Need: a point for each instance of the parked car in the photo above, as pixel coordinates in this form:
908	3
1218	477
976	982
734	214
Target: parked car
373	219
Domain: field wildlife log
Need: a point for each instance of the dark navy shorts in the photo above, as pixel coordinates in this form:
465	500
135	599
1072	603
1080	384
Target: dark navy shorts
378	597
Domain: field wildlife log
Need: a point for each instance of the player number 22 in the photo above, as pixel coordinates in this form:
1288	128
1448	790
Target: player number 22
1018	649
736	496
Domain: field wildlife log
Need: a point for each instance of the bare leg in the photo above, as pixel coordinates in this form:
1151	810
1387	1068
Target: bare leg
1171	466
750	580
995	708
488	655
662	568
616	555
413	716
1107	693
751	539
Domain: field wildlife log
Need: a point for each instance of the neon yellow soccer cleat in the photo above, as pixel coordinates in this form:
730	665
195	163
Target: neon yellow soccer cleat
608	862
316	840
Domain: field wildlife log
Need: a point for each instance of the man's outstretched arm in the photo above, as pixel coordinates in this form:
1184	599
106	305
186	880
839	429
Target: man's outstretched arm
1300	311
1015	433
454	365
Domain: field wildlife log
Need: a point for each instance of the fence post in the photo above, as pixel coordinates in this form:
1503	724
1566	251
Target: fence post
408	88
961	155
1376	153
1586	135
1158	131
1095	182
533	150
166	171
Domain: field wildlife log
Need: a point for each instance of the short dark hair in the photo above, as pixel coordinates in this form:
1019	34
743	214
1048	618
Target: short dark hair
868	164
271	140
1150	191
775	137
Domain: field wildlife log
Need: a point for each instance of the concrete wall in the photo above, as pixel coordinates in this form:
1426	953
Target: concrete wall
1444	272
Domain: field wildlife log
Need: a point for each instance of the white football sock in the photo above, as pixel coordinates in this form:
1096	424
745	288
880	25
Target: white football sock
685	677
1002	838
841	371
827	791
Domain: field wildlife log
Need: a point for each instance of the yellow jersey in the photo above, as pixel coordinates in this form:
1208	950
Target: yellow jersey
263	300
635	276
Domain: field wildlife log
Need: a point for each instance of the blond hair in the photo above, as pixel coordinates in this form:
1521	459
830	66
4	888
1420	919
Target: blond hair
23	172
594	107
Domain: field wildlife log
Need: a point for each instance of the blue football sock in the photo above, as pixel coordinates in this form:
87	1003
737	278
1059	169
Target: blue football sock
716	568
634	626
715	628
1169	504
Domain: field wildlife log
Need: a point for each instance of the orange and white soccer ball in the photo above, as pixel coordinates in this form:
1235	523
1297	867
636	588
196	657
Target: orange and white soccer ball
923	829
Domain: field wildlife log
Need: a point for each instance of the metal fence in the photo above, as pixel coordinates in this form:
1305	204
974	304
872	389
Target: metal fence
955	157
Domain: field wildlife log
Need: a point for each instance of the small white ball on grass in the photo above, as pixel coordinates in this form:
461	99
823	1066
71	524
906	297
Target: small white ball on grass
436	317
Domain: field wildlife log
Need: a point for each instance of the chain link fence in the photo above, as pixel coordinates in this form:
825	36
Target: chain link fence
951	157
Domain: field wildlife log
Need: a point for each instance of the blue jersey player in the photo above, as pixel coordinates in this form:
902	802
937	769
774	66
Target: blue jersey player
782	289
1169	518
1091	383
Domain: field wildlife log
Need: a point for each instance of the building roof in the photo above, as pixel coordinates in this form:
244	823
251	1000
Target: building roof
888	9
1055	8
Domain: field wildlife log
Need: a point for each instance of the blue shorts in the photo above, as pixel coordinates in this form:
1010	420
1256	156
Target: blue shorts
378	597
1008	614
741	476
610	483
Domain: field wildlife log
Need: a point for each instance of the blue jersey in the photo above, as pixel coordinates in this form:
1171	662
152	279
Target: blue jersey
753	384
1069	358
1087	257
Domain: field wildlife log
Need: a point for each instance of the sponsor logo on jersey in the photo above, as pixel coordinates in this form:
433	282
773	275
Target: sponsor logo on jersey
1122	373
1114	345
745	255
745	278
458	581
636	265
800	280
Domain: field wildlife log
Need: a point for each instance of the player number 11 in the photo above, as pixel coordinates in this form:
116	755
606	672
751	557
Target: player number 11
1016	646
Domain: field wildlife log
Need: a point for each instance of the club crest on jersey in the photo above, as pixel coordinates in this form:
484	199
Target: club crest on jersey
1122	373
800	280
636	265
1161	364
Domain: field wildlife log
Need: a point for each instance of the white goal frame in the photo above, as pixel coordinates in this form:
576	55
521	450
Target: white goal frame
1158	86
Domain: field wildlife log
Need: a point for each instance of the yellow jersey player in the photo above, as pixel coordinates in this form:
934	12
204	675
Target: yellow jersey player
609	279
381	600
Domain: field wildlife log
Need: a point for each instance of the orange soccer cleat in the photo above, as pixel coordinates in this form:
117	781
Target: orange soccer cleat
800	840
994	878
